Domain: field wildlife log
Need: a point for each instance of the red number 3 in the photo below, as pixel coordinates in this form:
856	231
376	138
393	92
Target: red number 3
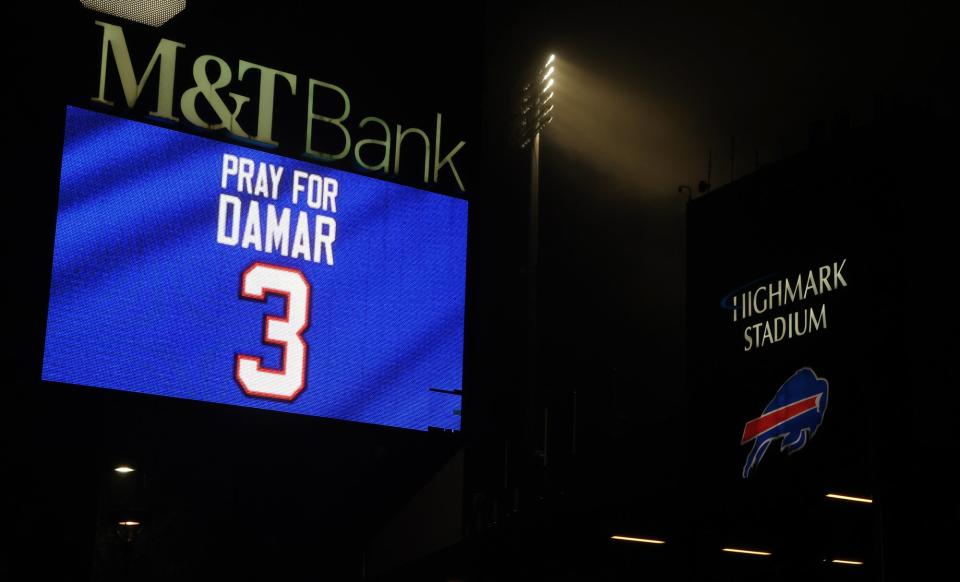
286	332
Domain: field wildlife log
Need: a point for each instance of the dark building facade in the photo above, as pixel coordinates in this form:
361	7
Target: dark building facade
803	288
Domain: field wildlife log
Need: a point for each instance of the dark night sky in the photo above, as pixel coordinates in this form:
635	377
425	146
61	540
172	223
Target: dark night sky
646	91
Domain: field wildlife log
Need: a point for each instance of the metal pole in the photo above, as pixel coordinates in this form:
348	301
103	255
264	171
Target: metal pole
533	243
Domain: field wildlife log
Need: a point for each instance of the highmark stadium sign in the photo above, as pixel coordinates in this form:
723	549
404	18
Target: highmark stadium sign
212	103
751	305
193	268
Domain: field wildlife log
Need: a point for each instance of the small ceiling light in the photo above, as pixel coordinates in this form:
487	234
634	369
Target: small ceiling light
548	85
750	552
848	562
549	72
149	12
849	498
550	60
129	523
124	469
638	540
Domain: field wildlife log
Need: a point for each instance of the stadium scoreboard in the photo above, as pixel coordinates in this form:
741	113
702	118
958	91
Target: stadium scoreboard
192	268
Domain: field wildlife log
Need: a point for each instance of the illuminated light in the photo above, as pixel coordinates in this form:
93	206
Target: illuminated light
849	498
155	13
549	97
124	469
749	552
547	76
129	523
848	562
550	60
548	85
548	110
638	540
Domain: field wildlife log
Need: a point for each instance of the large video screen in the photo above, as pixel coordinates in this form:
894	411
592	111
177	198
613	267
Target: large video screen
192	268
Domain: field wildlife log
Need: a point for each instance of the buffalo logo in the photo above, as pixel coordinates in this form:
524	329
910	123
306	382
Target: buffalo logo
793	415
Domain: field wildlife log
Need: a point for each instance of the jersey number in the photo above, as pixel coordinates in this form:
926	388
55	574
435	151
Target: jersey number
286	332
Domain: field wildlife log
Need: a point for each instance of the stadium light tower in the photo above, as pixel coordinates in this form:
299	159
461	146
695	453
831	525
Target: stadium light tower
536	112
536	103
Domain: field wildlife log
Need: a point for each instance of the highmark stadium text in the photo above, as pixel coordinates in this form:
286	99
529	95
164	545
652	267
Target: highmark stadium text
771	295
191	268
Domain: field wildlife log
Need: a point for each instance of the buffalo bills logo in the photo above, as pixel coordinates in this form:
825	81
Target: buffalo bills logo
793	415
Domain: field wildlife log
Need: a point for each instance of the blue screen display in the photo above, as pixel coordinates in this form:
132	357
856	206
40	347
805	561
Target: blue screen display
191	268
